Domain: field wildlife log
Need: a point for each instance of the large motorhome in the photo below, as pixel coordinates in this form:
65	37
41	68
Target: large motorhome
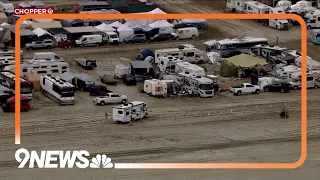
57	89
314	21
167	63
189	54
236	6
10	53
191	68
197	85
229	47
40	67
130	112
255	7
313	79
280	24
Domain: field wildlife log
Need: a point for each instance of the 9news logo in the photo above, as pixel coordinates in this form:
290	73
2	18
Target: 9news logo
61	159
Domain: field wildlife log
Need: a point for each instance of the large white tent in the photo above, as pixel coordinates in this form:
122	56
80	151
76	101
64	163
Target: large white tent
124	32
164	26
40	32
144	22
105	28
116	24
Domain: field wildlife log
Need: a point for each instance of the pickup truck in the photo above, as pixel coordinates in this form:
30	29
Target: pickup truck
110	98
245	88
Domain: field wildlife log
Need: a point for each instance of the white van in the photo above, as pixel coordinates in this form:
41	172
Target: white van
47	56
89	40
185	33
111	38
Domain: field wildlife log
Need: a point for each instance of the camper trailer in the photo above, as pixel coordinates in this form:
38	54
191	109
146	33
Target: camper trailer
314	21
167	63
197	85
57	89
313	79
236	6
280	24
285	73
40	67
121	70
188	67
255	7
189	54
130	112
155	87
10	53
47	56
316	36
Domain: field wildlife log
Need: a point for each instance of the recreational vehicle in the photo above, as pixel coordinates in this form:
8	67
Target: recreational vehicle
255	7
313	79
40	67
316	36
58	90
280	24
155	87
130	112
230	47
314	21
284	4
236	6
189	54
47	56
167	63
197	85
188	67
10	53
6	60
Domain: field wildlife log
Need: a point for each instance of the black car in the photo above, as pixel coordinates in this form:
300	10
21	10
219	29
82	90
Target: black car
99	90
129	79
277	87
160	37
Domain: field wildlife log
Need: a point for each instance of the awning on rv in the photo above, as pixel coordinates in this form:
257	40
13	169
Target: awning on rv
246	61
81	29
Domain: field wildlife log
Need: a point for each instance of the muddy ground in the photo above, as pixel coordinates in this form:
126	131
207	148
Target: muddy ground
224	128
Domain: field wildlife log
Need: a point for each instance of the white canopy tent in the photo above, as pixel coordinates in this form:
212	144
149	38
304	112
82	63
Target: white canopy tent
164	26
144	22
115	24
124	32
193	21
40	32
105	28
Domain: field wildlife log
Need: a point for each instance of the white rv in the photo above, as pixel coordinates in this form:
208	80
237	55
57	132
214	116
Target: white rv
188	67
236	6
57	89
255	7
87	40
10	53
130	112
197	85
167	63
185	33
280	24
40	67
155	87
47	56
189	54
284	4
6	60
312	80
314	21
121	70
285	72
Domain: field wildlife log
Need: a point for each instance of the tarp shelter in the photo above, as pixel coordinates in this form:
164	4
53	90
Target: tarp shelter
145	22
71	22
141	68
164	26
124	32
46	25
26	37
199	23
137	30
76	32
246	61
116	24
69	77
41	32
105	28
3	18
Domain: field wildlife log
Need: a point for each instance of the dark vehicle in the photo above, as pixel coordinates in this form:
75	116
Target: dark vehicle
84	82
4	96
108	80
277	87
136	38
9	104
129	79
284	114
85	63
160	37
99	90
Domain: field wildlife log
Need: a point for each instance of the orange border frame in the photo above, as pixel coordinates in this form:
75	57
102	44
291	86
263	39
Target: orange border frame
182	16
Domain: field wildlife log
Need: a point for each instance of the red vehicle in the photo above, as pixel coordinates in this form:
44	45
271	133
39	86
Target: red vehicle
65	44
9	105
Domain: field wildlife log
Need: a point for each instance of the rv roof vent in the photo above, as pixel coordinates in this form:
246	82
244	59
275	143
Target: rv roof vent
198	76
187	72
181	47
61	82
125	104
170	57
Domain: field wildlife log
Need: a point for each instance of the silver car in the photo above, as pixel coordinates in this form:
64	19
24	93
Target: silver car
136	38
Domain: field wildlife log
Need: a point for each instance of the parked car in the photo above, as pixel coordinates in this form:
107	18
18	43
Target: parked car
110	98
46	43
160	37
99	90
129	79
277	87
65	44
9	104
136	38
245	88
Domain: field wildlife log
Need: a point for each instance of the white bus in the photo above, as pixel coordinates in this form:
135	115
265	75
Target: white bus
230	47
40	67
7	79
57	89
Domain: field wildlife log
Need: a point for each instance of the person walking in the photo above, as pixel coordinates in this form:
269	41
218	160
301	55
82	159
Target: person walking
277	40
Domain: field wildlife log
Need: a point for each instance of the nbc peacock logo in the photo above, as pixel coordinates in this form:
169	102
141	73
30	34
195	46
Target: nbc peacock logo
101	161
